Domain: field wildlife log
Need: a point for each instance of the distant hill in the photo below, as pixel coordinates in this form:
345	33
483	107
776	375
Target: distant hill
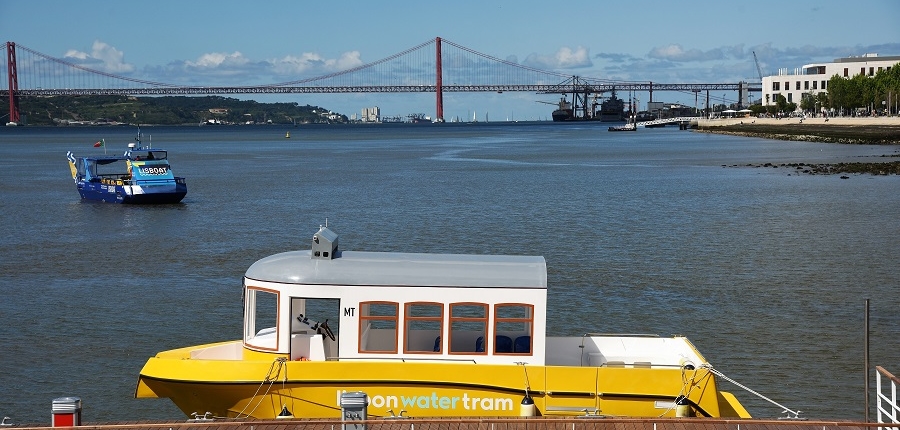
170	110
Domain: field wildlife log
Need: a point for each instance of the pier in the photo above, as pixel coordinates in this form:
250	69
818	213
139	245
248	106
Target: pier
587	422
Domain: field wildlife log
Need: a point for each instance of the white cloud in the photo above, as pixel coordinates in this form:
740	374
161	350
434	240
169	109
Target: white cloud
676	52
564	58
216	60
310	62
103	57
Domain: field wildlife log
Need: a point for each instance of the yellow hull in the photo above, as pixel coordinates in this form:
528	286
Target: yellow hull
260	385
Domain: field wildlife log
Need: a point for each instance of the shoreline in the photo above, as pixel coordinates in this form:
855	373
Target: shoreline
847	131
859	131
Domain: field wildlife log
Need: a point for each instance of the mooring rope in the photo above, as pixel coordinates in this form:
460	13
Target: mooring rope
271	377
795	414
688	385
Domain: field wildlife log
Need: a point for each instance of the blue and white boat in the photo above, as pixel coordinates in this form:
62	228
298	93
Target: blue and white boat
141	175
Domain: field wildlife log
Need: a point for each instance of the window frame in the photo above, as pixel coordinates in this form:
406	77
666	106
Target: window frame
484	320
250	317
408	318
363	319
529	320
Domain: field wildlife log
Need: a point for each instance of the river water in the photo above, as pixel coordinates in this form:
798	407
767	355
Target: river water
660	231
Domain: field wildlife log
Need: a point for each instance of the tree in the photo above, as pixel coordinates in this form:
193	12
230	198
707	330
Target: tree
808	102
781	103
862	91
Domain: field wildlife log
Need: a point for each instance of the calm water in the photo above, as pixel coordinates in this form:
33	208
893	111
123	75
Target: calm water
766	270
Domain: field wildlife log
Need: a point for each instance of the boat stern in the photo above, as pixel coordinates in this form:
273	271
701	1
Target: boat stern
730	406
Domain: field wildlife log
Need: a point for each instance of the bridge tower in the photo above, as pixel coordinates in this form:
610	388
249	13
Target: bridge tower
438	89
13	82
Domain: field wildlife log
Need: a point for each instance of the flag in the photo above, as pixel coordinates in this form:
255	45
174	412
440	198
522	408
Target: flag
101	142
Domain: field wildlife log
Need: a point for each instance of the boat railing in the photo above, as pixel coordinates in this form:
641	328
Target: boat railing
128	180
887	406
403	359
620	335
115	179
673	120
143	181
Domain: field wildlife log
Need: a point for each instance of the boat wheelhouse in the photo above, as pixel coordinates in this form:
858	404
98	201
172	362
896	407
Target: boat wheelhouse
426	334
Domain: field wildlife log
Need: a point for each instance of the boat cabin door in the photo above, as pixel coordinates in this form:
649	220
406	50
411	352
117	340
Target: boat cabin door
314	328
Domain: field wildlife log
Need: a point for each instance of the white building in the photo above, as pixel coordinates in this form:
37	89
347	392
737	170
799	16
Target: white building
813	78
372	114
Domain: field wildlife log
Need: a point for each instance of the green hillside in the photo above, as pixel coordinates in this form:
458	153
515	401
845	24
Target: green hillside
172	110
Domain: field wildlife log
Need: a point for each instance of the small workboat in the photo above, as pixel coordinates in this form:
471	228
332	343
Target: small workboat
142	175
425	335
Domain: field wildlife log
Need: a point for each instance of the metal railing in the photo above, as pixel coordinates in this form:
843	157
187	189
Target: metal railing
887	406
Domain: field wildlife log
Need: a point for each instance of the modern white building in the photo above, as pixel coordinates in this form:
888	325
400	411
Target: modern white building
372	114
813	78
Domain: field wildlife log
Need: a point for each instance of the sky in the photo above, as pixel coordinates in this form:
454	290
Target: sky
660	41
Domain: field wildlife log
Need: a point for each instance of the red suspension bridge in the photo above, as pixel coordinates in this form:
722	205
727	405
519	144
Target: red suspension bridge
436	66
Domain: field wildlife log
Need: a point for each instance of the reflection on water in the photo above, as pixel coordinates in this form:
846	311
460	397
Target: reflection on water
765	270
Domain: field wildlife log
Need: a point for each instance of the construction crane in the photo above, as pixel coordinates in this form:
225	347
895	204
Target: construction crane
758	70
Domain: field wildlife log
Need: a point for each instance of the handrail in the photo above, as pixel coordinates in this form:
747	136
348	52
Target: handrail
890	409
667	120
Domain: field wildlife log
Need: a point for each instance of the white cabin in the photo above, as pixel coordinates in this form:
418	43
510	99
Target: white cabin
392	305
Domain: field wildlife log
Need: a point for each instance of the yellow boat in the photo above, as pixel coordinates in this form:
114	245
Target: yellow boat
423	335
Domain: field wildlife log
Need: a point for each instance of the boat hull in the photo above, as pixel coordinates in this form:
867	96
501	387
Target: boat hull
560	115
120	192
261	387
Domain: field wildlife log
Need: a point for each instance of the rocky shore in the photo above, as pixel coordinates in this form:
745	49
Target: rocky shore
886	168
859	131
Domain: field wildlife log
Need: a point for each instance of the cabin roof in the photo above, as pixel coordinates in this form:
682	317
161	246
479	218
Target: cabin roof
403	269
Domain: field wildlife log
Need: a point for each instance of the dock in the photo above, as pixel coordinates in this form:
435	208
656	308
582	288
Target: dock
587	422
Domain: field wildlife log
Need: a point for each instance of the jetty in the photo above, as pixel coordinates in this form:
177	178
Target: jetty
587	422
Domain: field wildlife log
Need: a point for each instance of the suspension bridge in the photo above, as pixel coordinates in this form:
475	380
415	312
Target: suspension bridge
436	66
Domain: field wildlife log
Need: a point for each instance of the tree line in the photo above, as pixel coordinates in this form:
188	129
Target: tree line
878	94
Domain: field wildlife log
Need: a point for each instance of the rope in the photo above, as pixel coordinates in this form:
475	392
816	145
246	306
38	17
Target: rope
685	392
271	377
795	415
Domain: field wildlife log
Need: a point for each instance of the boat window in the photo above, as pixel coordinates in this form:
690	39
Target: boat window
422	333
307	312
513	327
79	165
111	167
261	318
137	154
378	327
468	328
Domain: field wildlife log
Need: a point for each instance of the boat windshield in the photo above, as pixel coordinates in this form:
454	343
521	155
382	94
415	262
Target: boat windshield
110	167
150	154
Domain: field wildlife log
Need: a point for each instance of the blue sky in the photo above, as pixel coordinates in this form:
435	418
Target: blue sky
666	42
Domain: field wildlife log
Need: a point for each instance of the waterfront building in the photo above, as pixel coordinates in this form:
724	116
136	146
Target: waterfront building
812	79
372	114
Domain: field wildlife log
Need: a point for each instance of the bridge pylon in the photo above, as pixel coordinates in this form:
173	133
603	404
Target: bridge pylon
13	82
438	86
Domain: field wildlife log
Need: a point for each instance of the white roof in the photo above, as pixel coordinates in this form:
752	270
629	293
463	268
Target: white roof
403	269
